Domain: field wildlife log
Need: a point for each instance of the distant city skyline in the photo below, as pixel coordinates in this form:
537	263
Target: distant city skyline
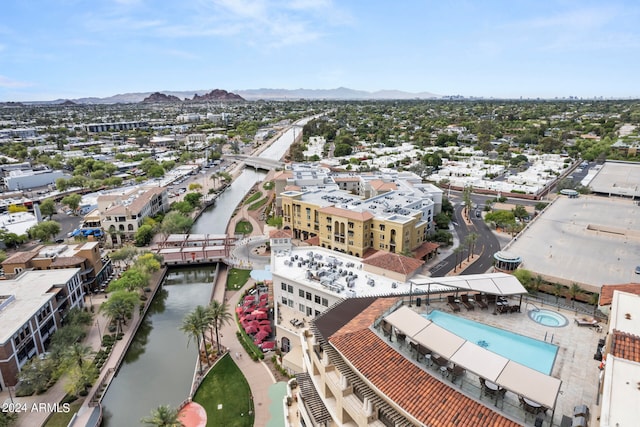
502	49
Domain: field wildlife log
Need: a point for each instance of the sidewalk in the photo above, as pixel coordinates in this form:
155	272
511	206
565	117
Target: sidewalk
258	374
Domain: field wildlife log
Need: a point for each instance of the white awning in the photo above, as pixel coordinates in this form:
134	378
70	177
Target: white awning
493	283
480	361
439	340
407	321
530	383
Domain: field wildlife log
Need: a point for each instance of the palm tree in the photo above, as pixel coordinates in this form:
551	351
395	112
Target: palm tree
471	240
574	291
163	416
78	354
557	291
194	324
457	251
220	316
594	299
119	307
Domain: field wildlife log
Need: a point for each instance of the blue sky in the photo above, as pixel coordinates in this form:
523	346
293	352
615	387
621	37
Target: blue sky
530	48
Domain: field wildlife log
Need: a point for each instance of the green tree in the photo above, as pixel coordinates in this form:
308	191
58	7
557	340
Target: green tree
72	201
80	378
557	291
466	200
149	262
119	307
524	277
220	315
3	256
131	280
594	299
45	230
163	416
8	419
48	208
574	291
193	199
194	325
471	241
183	207
144	235
36	374
124	255
442	221
194	186
175	222
342	150
520	212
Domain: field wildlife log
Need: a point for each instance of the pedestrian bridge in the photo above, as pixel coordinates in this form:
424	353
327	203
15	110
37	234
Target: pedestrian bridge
258	162
187	249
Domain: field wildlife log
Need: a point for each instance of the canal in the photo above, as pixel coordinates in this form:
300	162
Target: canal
159	365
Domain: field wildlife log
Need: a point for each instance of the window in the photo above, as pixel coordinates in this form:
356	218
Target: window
283	286
290	289
290	303
309	296
382	227
350	225
301	308
309	311
284	300
316	299
325	302
301	293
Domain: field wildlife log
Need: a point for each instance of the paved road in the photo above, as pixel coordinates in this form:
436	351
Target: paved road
486	245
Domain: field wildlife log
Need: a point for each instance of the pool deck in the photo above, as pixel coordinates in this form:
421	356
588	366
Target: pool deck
574	364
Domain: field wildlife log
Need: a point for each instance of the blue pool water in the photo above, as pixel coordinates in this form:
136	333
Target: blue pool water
535	354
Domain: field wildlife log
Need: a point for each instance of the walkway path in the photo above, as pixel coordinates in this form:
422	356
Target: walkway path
258	374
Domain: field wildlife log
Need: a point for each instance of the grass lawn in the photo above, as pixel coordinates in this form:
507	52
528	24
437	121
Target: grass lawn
255	196
257	205
226	396
61	419
237	278
244	227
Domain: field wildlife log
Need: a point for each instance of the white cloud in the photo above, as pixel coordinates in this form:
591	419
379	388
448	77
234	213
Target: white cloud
7	82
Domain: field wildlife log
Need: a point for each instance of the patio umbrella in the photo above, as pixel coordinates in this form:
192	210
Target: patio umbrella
251	329
254	323
261	335
257	342
266	328
239	310
264	297
268	345
249	298
261	315
250	317
265	322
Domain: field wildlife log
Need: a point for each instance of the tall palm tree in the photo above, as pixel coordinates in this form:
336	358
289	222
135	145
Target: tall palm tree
78	354
594	299
471	241
119	306
557	291
163	416
202	318
220	315
194	324
574	291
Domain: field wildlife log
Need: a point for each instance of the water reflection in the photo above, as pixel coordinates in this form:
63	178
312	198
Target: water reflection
158	368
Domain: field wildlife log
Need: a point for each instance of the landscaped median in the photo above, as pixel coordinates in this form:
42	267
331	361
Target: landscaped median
226	396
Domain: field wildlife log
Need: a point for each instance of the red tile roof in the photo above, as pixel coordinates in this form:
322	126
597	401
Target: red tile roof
429	400
67	261
425	248
394	262
313	241
280	234
606	293
22	257
625	346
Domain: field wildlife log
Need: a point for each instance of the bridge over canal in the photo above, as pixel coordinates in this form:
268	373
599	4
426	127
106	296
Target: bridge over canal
188	249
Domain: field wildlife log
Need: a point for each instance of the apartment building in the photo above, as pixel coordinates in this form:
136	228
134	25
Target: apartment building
355	214
124	212
94	269
32	307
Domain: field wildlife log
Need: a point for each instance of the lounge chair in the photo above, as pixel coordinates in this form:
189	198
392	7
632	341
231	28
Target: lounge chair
586	322
491	299
465	301
451	302
479	299
440	361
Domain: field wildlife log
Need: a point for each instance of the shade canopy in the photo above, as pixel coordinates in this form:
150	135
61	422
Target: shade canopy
520	379
494	283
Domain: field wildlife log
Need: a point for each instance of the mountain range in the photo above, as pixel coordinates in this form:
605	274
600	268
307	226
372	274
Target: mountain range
340	93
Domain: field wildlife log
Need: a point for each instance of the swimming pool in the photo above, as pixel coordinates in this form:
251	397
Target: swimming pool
535	354
548	318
